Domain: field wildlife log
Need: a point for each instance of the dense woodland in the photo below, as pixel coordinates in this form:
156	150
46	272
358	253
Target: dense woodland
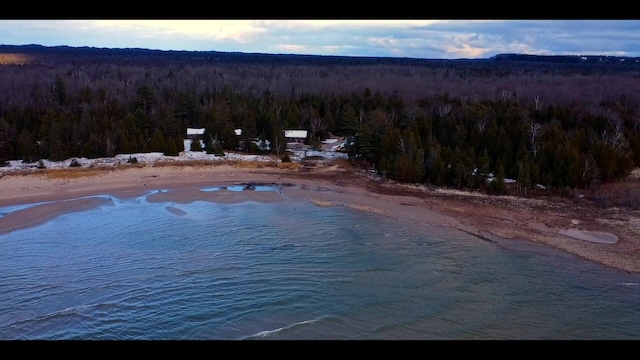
565	122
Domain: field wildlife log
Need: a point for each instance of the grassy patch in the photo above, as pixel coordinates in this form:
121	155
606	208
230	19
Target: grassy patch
74	173
78	172
344	163
243	164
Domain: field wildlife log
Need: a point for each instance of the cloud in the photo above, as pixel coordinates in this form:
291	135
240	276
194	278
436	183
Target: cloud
388	38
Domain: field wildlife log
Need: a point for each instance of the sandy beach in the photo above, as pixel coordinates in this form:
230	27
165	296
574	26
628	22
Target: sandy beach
607	236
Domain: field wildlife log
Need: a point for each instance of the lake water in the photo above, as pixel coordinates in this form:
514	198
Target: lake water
133	270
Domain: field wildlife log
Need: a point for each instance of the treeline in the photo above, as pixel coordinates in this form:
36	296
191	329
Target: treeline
444	123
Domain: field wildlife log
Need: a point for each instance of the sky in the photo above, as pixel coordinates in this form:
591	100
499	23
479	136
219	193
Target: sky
405	38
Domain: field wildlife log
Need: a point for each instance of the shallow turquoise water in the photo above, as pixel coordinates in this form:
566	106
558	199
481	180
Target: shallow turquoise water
132	269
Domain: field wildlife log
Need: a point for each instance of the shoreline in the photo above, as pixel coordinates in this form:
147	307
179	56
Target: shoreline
610	237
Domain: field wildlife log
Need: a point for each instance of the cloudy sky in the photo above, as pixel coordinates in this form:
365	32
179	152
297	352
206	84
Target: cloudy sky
431	39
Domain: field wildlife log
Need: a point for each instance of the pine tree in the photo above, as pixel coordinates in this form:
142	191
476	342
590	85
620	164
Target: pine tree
349	125
171	149
196	145
157	143
315	143
497	186
60	90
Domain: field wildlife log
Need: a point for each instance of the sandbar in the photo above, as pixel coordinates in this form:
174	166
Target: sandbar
593	236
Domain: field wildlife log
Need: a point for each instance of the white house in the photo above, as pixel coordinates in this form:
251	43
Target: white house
295	135
193	132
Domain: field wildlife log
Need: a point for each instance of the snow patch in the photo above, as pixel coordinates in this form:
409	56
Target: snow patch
297	153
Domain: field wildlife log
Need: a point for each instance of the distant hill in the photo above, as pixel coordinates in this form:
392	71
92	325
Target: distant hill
128	55
565	59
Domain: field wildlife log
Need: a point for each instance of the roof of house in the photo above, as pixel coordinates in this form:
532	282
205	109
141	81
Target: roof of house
193	131
295	133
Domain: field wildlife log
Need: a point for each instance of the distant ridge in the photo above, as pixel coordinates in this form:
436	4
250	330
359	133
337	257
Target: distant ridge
563	58
135	54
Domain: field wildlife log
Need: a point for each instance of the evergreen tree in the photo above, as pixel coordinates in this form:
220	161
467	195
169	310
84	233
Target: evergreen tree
196	145
349	125
171	149
208	142
364	144
27	146
60	90
315	143
94	148
497	186
218	149
157	143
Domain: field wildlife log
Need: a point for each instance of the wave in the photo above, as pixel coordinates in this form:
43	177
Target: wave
268	333
82	311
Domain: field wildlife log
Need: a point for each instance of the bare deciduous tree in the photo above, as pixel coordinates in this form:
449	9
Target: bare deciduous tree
402	146
464	99
535	131
590	171
444	110
537	101
616	137
316	124
361	116
482	124
503	94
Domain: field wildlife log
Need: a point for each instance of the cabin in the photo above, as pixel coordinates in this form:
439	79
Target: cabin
192	133
295	135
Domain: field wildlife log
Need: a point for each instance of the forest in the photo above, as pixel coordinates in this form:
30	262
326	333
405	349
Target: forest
562	122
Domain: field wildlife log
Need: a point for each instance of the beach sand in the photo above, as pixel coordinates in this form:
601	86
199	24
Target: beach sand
607	236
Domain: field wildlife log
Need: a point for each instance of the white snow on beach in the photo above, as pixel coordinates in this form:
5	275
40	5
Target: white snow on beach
297	152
